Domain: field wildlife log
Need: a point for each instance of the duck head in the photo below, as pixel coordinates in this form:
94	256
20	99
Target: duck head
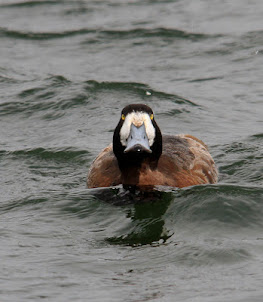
137	136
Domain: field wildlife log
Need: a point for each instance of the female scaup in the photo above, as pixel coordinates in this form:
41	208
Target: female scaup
141	156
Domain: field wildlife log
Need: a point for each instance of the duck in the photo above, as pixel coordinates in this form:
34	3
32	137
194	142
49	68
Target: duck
140	155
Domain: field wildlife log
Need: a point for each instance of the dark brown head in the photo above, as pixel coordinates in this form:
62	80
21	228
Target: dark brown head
137	136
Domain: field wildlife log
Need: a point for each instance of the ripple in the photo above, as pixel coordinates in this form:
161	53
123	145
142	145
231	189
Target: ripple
243	161
161	216
6	79
213	252
232	205
165	213
21	203
41	154
205	79
251	39
57	94
104	35
30	4
140	89
16	34
152	33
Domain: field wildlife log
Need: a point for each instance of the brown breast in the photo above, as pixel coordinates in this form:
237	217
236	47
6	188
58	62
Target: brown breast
185	161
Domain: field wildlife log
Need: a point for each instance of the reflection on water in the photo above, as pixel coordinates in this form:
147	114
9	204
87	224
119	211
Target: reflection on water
146	210
155	214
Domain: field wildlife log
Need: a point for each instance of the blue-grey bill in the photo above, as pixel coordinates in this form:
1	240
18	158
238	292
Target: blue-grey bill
138	140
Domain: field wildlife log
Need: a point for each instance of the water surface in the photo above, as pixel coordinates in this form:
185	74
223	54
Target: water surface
67	68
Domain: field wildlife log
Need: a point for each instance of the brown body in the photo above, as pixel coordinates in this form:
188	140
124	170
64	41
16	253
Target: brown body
185	161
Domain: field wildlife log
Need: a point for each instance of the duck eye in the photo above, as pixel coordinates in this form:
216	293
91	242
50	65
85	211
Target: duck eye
151	116
123	117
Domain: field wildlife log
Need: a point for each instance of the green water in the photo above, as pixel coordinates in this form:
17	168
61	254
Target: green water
67	68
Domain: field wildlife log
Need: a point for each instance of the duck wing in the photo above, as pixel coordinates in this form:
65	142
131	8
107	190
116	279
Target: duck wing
104	171
188	161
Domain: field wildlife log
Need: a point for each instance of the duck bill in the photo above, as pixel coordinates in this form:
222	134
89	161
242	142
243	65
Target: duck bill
138	140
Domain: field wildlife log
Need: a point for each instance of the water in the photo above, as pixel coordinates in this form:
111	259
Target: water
67	68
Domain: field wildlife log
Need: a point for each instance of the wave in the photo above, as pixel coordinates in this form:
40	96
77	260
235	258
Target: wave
160	32
16	34
225	204
161	216
204	202
68	154
49	95
251	39
165	213
140	89
57	94
8	80
241	161
104	35
193	211
257	137
30	3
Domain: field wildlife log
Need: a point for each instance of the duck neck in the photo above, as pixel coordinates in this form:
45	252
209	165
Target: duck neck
131	171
